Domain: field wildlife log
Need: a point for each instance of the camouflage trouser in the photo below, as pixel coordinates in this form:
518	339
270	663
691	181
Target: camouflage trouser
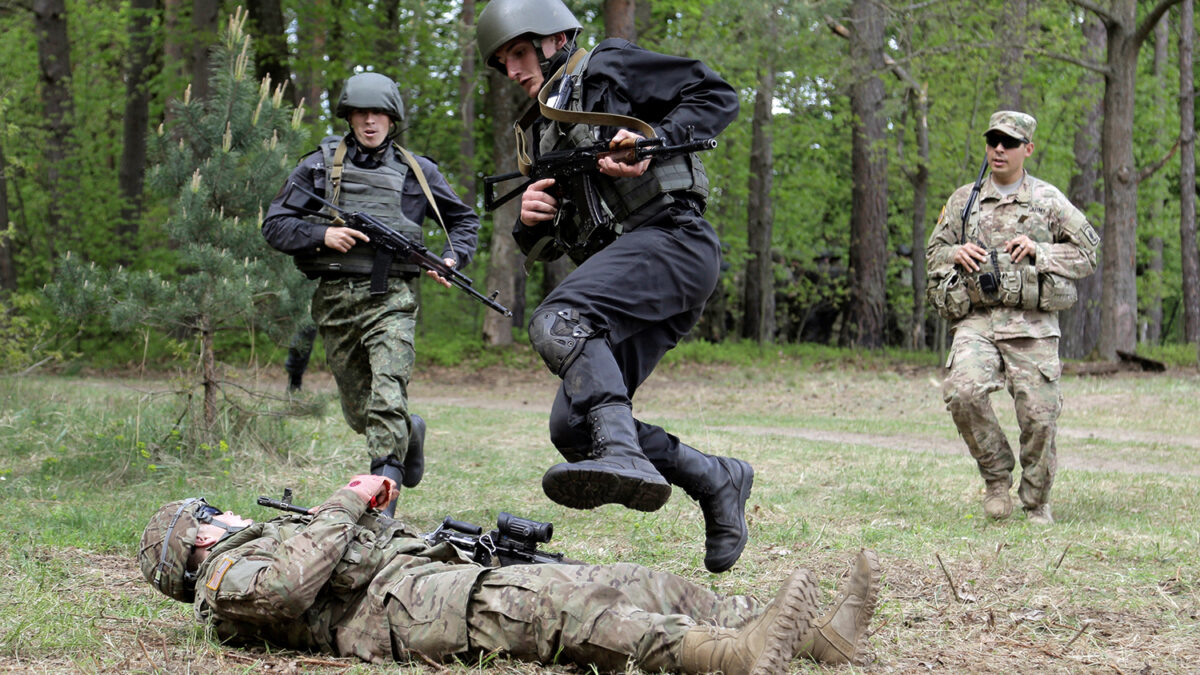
604	615
369	349
1029	368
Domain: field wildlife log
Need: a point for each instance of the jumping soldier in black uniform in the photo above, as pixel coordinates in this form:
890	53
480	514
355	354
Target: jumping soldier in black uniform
366	307
647	259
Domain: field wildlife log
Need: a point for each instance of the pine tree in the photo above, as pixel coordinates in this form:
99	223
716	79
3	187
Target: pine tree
224	157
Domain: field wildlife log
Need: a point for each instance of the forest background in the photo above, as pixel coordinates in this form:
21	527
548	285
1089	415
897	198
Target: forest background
858	120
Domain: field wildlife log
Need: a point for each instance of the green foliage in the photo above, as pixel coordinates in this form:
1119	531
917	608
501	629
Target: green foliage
24	333
224	158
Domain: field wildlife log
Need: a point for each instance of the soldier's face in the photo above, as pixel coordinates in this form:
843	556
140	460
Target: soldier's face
370	127
209	534
1007	164
520	60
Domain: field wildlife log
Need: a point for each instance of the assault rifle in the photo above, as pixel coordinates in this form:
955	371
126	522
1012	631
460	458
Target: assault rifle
513	542
284	504
560	164
400	247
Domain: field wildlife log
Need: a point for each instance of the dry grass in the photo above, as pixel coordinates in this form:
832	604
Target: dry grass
843	460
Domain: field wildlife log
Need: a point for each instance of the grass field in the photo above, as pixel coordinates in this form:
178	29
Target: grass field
846	456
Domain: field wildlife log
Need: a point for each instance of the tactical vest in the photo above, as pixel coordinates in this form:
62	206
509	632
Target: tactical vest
378	192
1001	282
624	203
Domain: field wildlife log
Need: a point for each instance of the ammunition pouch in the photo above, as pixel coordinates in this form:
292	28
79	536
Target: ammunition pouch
998	282
947	294
1056	293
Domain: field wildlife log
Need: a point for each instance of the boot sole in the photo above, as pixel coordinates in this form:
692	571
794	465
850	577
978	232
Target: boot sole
798	598
579	486
745	481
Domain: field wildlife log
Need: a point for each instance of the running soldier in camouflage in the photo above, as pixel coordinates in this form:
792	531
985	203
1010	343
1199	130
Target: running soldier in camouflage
348	581
365	305
1002	273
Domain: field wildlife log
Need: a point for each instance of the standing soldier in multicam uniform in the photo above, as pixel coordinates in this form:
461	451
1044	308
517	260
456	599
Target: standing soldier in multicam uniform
644	274
347	581
366	308
1001	272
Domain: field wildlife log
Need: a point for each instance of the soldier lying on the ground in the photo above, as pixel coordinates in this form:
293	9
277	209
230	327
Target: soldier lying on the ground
348	581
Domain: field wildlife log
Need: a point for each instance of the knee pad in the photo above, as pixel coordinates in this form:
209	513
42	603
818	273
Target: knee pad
558	336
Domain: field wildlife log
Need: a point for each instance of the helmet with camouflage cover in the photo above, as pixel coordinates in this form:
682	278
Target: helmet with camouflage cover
371	91
167	543
502	20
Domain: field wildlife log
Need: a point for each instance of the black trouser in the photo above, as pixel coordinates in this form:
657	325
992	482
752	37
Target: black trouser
641	295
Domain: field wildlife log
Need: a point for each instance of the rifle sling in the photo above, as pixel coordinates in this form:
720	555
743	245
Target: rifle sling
573	116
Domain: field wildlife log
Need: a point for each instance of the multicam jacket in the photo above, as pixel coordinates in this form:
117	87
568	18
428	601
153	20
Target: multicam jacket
325	584
1066	245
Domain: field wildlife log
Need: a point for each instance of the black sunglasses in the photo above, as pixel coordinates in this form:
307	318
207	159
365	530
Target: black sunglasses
1007	141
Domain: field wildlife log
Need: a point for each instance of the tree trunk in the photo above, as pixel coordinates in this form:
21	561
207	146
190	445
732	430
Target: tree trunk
920	185
620	19
1153	322
758	303
1190	255
310	76
1118	307
1011	22
505	263
1080	325
8	266
466	102
132	172
205	17
208	366
271	57
54	62
868	209
1152	328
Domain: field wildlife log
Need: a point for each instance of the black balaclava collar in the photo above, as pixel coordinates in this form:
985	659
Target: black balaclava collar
551	64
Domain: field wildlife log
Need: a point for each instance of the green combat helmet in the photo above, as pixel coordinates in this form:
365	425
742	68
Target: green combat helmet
167	543
502	20
371	91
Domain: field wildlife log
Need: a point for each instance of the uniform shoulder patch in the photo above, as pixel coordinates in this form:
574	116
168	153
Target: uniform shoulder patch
218	573
1090	233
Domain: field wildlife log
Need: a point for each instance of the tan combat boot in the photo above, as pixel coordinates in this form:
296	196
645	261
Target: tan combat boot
997	503
1039	515
838	636
764	646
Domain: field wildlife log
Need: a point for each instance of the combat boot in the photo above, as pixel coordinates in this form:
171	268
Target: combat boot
721	486
1039	515
997	503
617	472
414	458
766	645
838	636
388	468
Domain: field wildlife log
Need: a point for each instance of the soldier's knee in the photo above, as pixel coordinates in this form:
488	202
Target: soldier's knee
558	336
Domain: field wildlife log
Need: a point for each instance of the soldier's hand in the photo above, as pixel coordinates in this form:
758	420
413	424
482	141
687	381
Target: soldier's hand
376	491
537	204
341	239
450	262
621	164
1019	247
969	255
